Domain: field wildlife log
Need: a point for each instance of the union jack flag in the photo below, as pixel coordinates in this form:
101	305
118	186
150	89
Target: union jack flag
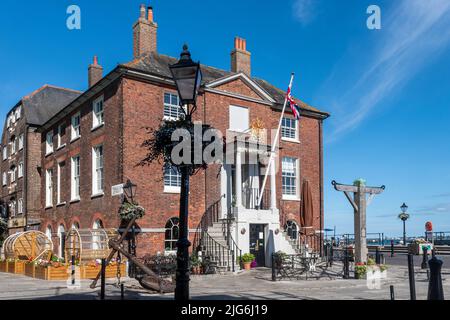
294	107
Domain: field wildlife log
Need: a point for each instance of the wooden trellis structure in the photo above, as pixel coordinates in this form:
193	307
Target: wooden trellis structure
89	244
28	245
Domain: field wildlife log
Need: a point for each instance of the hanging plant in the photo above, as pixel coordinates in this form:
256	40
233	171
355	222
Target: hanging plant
160	144
129	211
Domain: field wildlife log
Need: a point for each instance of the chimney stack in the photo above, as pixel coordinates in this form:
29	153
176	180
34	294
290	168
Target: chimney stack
95	72
240	57
144	33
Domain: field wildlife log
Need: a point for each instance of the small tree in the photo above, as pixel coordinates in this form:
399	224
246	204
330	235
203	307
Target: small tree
3	230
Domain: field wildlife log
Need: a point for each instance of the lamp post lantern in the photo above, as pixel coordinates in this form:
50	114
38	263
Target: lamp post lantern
404	216
187	76
129	188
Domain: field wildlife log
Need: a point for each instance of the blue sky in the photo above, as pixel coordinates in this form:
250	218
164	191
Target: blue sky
387	90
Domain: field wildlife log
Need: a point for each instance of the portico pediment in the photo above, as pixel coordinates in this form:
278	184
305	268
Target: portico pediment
240	86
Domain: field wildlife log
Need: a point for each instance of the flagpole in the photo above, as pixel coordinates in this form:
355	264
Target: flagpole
272	153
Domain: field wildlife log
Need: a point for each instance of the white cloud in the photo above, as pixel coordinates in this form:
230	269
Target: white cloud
413	33
304	10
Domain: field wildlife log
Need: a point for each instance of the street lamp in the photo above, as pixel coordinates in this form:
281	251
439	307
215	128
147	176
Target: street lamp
187	76
404	216
129	188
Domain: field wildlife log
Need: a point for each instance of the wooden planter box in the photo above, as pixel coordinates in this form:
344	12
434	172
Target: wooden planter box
90	272
51	273
3	266
17	267
29	269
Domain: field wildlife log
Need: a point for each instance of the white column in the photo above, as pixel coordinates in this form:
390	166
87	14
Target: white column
238	180
273	186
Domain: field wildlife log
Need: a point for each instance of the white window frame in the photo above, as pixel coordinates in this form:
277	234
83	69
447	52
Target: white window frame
98	116
75	130
98	171
20	170
49	143
75	179
59	143
18	112
49	188
12	173
174	185
13	146
58	184
5	178
21	141
5	152
296	167
286	131
12	208
170	109
20	206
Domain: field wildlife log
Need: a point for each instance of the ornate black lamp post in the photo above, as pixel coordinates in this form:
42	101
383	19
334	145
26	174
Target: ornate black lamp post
129	188
404	216
187	76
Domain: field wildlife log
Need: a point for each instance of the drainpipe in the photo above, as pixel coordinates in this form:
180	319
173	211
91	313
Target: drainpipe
321	183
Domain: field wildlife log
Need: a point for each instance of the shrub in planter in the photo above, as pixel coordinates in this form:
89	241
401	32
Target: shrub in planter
195	264
247	260
360	270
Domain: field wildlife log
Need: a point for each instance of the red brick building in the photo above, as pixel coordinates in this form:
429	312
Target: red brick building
94	143
20	201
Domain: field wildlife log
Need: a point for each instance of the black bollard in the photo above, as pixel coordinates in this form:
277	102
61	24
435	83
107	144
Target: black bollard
103	283
274	274
435	289
72	274
331	255
425	259
122	292
412	282
392	248
377	256
392	292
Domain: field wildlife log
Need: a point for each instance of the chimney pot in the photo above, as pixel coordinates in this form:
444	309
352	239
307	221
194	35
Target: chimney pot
144	33
95	72
142	11
240	57
150	14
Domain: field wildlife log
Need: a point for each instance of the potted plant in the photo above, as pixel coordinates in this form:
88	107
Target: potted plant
247	260
195	264
383	271
360	270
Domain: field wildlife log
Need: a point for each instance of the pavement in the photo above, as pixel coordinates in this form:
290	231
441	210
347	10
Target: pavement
253	284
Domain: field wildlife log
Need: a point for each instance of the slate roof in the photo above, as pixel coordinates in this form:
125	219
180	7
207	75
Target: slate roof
158	64
41	105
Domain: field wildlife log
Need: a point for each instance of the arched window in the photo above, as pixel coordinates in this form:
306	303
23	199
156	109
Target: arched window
98	224
291	229
75	225
172	234
62	238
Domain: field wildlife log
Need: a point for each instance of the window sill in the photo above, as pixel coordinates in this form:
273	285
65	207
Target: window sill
75	200
97	126
60	147
75	139
48	207
291	198
48	153
97	195
290	140
61	204
172	190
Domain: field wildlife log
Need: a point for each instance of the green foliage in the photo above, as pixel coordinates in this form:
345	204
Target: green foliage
371	262
129	211
247	258
194	261
3	230
361	269
383	267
